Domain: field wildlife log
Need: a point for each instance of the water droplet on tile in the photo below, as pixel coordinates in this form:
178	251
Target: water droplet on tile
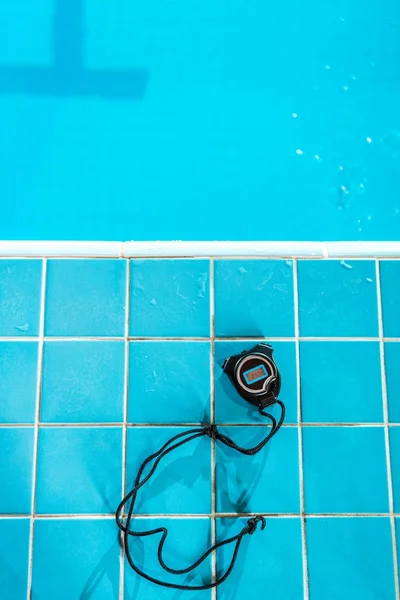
368	140
177	292
354	78
317	157
153	302
201	284
341	167
295	115
342	19
359	229
289	263
298	151
242	270
280	287
369	280
23	328
397	211
327	67
345	88
9	270
346	265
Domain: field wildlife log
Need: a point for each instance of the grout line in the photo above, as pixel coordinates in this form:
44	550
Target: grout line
54	339
212	420
124	429
179	425
223	515
36	426
300	432
387	436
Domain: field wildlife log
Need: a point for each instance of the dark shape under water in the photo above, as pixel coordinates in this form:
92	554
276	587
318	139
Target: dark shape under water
67	76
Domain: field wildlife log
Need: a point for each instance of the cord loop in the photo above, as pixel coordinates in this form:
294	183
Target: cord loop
212	431
252	524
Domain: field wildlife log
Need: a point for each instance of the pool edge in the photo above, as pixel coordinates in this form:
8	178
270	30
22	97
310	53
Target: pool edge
198	249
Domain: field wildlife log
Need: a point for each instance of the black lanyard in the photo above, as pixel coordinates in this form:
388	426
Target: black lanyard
124	520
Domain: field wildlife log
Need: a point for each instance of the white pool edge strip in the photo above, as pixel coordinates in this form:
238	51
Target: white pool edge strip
181	249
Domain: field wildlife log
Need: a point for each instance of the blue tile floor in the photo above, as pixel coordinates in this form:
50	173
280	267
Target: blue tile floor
101	361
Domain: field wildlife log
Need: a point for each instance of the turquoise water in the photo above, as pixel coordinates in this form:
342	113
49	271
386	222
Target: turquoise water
199	120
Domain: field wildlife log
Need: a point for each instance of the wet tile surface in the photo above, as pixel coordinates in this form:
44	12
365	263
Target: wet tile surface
20	286
16	469
345	470
79	470
183	485
268	551
170	298
83	382
341	382
14	553
390	284
160	387
169	382
186	541
65	567
254	298
338	298
343	561
18	382
85	298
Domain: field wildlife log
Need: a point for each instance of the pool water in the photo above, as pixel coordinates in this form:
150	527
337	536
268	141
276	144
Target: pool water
199	120
102	361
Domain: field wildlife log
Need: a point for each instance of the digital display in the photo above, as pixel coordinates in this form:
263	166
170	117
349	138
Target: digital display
255	374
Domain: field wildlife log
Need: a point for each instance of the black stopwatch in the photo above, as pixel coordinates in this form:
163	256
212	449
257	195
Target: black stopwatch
255	375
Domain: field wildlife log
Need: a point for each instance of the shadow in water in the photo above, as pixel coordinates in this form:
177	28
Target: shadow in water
105	568
228	528
239	503
67	76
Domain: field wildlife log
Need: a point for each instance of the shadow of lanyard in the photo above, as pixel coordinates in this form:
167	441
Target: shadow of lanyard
245	370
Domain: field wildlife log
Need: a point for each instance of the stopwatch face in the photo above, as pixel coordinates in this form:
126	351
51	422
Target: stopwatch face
254	373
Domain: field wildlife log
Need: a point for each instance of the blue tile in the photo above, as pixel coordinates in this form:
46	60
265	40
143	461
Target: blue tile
182	482
390	291
337	301
392	362
187	540
254	298
341	382
85	298
83	382
170	298
345	470
75	559
343	561
20	285
394	433
230	407
262	562
14	550
169	382
16	469
18	381
265	483
79	470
